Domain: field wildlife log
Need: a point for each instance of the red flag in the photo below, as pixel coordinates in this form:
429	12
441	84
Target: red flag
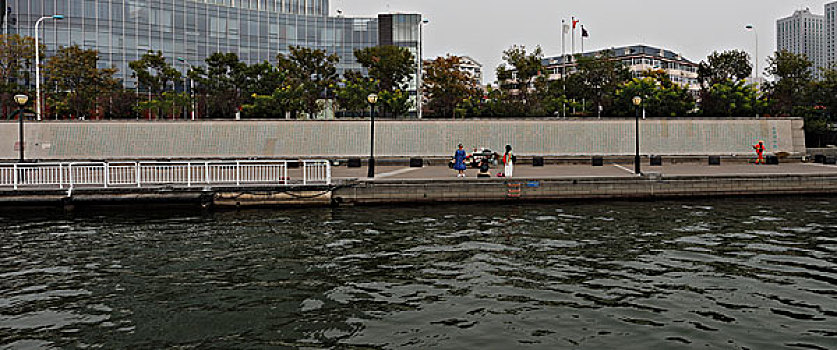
575	22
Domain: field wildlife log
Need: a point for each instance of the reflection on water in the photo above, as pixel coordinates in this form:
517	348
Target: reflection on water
723	274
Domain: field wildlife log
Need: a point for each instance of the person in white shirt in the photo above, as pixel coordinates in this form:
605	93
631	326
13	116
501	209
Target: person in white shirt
508	160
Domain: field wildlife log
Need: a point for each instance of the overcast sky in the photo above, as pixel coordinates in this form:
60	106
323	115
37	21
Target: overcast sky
482	29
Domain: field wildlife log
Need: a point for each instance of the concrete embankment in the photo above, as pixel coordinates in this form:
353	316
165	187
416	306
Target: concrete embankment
645	188
206	197
124	140
415	191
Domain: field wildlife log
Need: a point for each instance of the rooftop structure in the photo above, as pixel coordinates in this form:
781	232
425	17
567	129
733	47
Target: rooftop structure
638	59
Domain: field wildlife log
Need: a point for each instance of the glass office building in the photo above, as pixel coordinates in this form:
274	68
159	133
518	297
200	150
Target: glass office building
256	30
403	30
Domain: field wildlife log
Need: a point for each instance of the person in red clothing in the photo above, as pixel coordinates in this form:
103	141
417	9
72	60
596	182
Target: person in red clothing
760	152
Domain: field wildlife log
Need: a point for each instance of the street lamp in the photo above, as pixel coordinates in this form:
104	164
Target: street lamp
38	64
420	79
373	99
191	85
751	28
637	101
756	73
21	101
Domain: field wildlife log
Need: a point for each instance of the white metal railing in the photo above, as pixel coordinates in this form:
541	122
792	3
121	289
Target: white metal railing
157	174
316	172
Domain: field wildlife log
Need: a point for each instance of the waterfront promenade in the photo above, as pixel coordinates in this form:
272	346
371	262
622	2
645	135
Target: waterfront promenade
610	169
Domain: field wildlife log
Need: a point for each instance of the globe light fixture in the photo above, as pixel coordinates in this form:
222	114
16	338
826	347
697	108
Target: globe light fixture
21	100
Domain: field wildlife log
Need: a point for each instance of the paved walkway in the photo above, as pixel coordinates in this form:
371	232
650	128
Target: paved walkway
578	171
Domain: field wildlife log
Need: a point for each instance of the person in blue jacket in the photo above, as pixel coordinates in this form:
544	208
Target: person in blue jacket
459	161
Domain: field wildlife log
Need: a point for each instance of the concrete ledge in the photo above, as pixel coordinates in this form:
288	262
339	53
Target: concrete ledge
539	189
416	191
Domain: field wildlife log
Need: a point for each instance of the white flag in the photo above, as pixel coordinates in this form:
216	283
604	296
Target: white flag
566	28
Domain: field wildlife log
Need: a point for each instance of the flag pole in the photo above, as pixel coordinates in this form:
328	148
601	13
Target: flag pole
564	64
563	39
582	39
573	37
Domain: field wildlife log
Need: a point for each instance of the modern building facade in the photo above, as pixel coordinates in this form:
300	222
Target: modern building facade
472	67
256	30
831	33
403	30
638	59
804	33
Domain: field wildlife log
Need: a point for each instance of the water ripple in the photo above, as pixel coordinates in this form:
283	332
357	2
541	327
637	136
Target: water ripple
709	274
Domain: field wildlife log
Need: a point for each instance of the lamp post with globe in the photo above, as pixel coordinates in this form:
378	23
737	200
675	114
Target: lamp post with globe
372	99
21	101
637	101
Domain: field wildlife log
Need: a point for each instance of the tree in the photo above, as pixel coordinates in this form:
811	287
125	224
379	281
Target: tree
825	91
500	103
791	88
352	95
521	74
264	78
389	65
554	97
731	65
286	100
447	85
396	102
76	82
313	70
661	97
723	91
223	83
17	56
120	104
520	67
730	98
155	75
599	77
170	104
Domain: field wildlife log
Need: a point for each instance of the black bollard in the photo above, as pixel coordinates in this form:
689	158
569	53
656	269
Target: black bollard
656	160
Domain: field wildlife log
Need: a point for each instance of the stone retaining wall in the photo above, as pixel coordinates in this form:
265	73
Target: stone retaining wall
115	140
522	190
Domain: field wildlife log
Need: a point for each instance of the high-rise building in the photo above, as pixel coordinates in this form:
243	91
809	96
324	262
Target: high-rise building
256	30
803	33
831	33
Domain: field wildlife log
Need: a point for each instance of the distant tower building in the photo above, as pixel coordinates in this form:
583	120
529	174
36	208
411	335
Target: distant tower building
831	33
803	33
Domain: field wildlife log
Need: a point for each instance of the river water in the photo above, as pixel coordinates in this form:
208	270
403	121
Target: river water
706	274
